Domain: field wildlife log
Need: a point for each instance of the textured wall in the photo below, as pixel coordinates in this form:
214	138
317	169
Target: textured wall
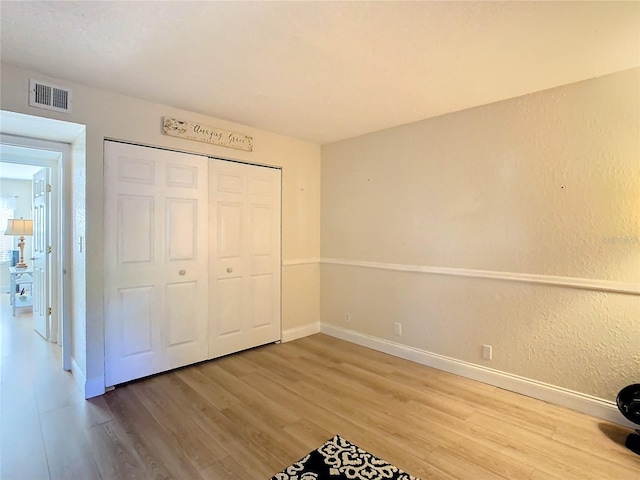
545	184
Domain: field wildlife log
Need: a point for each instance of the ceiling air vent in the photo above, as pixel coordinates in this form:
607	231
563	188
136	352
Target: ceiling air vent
49	96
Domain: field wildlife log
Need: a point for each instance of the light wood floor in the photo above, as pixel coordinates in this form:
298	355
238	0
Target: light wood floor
247	416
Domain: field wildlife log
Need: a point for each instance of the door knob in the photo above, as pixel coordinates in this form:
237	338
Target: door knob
229	270
182	272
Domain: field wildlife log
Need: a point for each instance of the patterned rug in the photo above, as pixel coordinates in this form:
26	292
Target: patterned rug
339	459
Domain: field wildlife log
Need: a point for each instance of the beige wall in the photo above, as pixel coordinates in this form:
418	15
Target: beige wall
108	115
547	185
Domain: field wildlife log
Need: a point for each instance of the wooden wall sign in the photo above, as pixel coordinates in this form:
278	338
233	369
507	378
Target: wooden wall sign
202	133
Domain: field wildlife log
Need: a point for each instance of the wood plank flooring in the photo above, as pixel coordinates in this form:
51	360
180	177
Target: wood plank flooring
249	415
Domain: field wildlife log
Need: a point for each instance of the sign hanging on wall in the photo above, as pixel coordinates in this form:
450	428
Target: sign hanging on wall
202	133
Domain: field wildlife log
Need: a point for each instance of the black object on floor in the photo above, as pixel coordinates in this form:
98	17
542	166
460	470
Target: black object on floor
628	401
633	443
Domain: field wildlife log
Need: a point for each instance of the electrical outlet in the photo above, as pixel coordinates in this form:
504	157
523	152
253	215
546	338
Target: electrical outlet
347	317
487	352
397	329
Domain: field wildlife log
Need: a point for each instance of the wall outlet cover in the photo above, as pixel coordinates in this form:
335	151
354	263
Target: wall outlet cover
487	352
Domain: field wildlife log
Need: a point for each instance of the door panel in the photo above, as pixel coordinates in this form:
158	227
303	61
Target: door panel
136	341
229	300
135	335
182	176
230	220
135	170
156	260
41	231
262	300
135	229
229	182
261	229
182	221
181	313
245	251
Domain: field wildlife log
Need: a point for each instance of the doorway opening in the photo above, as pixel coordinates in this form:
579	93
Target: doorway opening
56	148
30	181
68	139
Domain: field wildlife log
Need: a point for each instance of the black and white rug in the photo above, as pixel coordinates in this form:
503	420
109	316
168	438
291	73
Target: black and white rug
339	459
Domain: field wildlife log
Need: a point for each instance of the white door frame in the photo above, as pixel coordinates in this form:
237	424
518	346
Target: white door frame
61	229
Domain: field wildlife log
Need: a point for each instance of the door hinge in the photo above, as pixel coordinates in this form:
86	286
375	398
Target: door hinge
48	310
48	249
48	188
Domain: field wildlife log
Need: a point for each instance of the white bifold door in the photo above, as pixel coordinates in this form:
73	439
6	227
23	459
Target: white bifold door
192	259
244	249
156	261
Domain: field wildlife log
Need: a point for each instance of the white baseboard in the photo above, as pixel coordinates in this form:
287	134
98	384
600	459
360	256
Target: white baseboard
563	397
91	388
299	332
580	402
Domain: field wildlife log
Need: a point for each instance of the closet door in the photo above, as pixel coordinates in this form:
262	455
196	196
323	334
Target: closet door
156	260
244	248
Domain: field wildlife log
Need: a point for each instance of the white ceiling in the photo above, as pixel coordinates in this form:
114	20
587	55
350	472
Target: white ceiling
322	71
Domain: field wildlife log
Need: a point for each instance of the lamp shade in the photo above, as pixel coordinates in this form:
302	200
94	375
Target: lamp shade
19	227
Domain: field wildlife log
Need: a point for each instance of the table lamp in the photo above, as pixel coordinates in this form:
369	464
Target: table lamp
19	228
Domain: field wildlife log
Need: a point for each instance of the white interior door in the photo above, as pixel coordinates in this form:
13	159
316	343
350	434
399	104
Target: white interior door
156	261
244	287
41	243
